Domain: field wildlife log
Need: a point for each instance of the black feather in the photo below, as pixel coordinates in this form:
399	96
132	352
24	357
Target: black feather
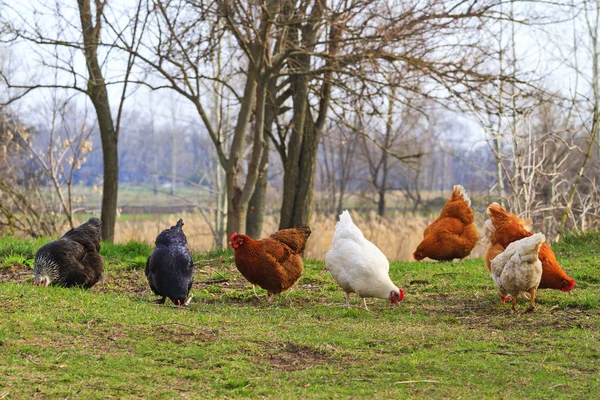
170	269
72	260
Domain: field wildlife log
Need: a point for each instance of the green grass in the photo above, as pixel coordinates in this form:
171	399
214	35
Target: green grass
449	338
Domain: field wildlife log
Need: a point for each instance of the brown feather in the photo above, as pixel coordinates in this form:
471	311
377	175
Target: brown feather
509	228
274	263
453	234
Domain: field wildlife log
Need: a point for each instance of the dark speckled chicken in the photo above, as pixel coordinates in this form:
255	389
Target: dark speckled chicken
72	260
170	270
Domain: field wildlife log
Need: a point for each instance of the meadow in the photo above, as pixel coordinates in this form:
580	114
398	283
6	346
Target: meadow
449	338
144	214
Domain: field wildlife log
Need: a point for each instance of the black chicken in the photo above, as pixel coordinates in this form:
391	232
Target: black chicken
170	270
72	260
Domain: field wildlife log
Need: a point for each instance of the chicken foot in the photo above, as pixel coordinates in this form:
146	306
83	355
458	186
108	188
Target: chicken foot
254	290
514	304
532	305
364	300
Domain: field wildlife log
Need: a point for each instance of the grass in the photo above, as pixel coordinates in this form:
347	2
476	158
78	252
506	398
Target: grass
449	338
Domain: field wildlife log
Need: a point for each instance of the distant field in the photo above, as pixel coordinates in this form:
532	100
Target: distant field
397	236
140	199
449	338
143	215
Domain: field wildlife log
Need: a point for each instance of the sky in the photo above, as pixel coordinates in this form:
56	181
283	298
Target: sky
540	48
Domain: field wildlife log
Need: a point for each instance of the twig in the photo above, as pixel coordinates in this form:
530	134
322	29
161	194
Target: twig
550	387
209	261
419	281
30	360
86	331
214	281
418	381
502	353
176	323
4	395
121	389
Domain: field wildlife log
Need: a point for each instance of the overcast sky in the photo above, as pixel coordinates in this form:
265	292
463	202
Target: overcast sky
544	50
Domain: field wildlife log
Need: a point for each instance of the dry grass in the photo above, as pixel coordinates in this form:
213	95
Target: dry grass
397	236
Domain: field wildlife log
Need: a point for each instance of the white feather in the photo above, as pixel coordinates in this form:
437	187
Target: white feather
490	225
356	264
463	193
518	269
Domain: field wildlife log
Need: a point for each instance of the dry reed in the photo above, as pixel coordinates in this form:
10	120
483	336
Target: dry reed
397	236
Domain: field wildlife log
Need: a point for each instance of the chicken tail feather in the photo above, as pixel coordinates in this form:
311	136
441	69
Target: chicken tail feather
459	192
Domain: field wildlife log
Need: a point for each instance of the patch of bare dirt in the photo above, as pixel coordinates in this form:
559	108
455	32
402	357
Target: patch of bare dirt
183	333
122	281
289	357
16	273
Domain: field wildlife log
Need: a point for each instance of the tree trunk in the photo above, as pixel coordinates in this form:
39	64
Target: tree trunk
238	193
297	200
300	165
292	167
381	203
99	98
256	208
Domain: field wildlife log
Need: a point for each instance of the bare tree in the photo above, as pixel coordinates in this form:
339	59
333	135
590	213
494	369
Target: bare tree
96	88
38	170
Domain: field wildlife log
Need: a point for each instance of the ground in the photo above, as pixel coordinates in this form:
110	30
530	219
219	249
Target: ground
449	338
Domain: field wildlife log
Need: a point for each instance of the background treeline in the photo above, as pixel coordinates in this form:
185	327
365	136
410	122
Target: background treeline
285	108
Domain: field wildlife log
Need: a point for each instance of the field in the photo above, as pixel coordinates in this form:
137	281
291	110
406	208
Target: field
397	236
143	215
449	338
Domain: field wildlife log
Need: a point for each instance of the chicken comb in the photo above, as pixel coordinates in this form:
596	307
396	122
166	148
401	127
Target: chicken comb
233	236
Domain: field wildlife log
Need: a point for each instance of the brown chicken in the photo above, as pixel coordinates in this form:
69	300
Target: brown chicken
506	228
453	234
273	263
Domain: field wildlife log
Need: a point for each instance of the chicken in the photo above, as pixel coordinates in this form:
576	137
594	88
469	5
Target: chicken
72	260
518	269
273	263
169	269
506	228
453	234
358	266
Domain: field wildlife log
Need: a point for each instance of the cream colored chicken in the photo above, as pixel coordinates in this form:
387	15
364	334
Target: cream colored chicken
518	270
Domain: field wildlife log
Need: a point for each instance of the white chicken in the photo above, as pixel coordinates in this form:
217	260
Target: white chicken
358	266
518	270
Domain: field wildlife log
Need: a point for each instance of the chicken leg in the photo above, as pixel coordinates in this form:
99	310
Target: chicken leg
364	300
532	305
347	300
254	290
514	304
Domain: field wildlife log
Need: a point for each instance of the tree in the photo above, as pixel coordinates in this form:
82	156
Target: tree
97	92
96	87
